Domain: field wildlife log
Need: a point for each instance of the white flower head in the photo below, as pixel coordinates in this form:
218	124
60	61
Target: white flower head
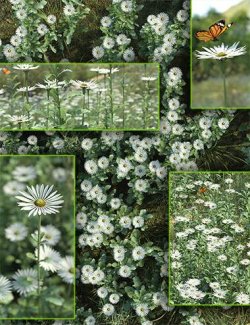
221	52
67	269
49	258
25	281
40	200
5	288
16	232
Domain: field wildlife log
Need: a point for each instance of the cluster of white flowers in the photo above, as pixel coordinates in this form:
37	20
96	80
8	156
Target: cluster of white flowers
210	228
37	33
119	30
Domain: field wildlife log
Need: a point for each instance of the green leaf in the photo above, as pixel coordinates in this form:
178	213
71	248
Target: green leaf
31	256
55	300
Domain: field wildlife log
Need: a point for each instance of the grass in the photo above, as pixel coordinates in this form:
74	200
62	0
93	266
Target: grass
209	93
232	316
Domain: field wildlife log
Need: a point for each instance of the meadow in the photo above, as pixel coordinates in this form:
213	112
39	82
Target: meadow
37	271
73	96
209	238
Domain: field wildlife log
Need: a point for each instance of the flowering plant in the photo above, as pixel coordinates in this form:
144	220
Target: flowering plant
209	254
38	33
35	265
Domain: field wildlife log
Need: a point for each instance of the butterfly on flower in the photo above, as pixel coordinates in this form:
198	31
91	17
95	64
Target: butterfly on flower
202	190
213	32
5	71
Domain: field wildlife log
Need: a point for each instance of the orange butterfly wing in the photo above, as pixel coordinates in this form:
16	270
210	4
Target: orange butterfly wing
204	35
214	31
6	71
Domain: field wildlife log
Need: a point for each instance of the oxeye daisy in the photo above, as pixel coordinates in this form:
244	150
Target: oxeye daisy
40	200
67	269
49	258
5	288
25	281
16	232
221	52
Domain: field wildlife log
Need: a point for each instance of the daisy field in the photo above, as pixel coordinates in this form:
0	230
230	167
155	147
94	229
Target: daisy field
209	238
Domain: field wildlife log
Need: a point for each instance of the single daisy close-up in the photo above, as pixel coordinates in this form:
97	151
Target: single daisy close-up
40	199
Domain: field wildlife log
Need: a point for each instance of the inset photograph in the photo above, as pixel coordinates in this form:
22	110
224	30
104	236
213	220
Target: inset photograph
209	248
79	97
220	54
37	252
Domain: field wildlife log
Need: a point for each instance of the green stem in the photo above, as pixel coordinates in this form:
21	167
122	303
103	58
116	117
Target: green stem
123	98
223	66
48	97
26	85
106	106
58	103
38	260
83	105
111	96
98	106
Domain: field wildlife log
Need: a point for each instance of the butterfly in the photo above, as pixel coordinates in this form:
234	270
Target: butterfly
214	31
5	71
202	190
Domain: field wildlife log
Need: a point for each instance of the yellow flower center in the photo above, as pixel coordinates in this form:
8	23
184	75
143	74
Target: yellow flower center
221	54
40	203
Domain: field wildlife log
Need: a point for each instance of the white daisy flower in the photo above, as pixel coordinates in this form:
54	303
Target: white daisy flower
25	281
182	15
125	271
106	21
129	55
127	6
108	310
16	232
142	310
21	14
138	253
223	123
25	67
67	269
98	52
243	298
51	235
40	200
69	10
49	258
102	292
5	288
51	19
221	52
24	173
32	139
42	29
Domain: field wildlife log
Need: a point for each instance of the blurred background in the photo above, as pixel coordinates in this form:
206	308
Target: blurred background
207	83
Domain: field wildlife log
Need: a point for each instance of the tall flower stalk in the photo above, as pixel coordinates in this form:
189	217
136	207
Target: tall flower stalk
222	53
39	201
26	68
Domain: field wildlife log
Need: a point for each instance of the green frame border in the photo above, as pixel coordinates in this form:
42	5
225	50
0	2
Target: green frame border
191	75
157	129
171	173
73	157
